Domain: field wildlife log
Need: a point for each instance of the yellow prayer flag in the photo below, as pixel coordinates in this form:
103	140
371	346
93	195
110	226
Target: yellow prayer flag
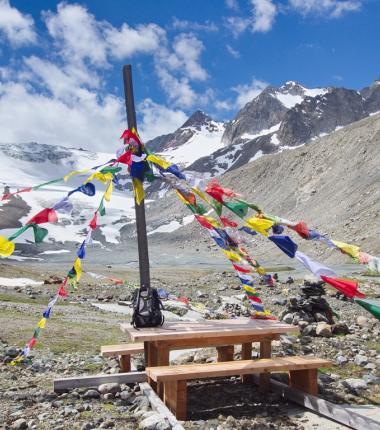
249	289
159	161
6	247
351	250
78	268
107	194
138	190
260	270
200	194
102	177
212	221
261	225
42	323
74	173
182	198
233	256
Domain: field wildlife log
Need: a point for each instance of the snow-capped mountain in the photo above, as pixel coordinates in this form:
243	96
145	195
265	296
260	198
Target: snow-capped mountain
198	137
30	164
284	118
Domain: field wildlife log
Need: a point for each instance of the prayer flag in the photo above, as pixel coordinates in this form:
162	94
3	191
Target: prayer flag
227	222
46	215
351	250
345	286
260	225
6	247
138	190
316	268
372	306
285	244
301	228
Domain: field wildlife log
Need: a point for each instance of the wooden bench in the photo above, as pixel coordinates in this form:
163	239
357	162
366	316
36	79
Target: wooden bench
123	352
302	370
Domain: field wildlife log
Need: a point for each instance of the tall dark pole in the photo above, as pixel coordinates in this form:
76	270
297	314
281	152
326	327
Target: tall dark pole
142	240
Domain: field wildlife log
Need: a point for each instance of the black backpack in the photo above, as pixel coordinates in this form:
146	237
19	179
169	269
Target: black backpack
147	308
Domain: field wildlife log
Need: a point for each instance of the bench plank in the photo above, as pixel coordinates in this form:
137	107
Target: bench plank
233	368
122	349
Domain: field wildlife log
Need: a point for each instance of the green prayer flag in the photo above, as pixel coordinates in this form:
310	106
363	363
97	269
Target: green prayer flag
218	207
111	169
372	306
102	209
250	205
239	208
39	233
37	333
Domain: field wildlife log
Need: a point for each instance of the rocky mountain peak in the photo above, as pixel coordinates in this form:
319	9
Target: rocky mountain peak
197	119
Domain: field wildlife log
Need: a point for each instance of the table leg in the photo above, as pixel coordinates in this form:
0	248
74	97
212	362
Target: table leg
225	353
150	360
265	352
246	354
162	360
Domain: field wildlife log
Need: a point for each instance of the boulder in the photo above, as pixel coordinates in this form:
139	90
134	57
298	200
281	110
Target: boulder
91	394
288	318
154	422
323	330
110	388
19	424
340	328
354	384
362	321
360	360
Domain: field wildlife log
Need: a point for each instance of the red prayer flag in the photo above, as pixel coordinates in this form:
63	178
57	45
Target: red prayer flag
62	292
302	229
93	221
217	192
241	269
129	134
183	300
32	342
203	222
255	299
345	286
228	222
125	158
46	215
117	281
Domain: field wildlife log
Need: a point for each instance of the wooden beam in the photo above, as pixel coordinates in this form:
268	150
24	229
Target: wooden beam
157	404
61	385
327	409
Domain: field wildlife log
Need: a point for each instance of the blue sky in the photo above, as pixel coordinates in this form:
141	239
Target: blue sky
60	62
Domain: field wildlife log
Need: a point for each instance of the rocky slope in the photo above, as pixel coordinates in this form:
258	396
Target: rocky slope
332	183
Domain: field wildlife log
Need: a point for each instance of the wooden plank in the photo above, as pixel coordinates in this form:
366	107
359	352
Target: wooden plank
175	396
246	354
305	380
125	363
232	368
66	384
162	360
186	330
122	349
157	404
330	410
265	352
225	353
206	342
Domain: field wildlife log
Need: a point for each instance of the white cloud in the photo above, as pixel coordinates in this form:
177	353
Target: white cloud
247	93
17	28
27	116
77	34
188	50
232	51
128	41
264	13
184	25
158	119
232	4
330	8
237	25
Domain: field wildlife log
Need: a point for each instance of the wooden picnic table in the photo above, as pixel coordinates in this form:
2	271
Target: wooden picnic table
222	334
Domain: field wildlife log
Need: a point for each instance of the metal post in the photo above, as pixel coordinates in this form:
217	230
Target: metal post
142	240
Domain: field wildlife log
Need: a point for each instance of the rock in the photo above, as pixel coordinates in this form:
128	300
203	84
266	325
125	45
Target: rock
323	330
91	394
281	302
370	366
105	296
154	422
360	360
304	340
19	424
127	396
112	387
108	424
355	384
362	321
341	359
310	330
288	318
340	328
87	426
302	324
321	317
11	352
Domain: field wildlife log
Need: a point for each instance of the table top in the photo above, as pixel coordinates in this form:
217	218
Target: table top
209	328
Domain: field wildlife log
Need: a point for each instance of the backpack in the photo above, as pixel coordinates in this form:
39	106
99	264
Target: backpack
147	308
